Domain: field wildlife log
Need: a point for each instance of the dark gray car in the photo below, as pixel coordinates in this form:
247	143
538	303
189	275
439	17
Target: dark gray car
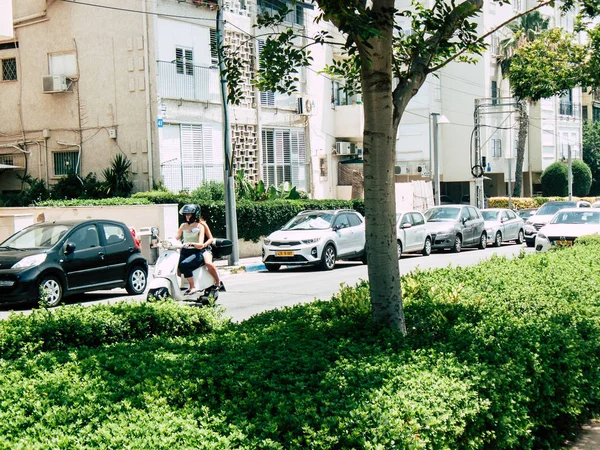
456	226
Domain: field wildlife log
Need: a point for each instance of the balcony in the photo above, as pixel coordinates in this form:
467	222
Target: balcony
349	123
569	109
188	82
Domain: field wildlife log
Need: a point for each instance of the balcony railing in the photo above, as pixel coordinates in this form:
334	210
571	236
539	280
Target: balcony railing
176	81
569	109
188	177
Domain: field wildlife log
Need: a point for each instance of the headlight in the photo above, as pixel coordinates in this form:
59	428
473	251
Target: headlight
311	241
541	235
30	261
267	241
442	234
529	222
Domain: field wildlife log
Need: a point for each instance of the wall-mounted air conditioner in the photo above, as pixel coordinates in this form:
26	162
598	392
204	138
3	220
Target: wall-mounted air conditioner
419	169
345	148
304	106
54	83
401	170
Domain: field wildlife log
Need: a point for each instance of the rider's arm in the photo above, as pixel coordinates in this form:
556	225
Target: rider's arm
209	237
179	233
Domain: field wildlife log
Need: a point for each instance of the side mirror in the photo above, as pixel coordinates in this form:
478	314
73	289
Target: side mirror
463	220
336	227
70	248
154	232
406	225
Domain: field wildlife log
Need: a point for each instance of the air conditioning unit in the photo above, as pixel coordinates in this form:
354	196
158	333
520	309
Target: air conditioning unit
401	170
54	83
304	106
420	169
345	148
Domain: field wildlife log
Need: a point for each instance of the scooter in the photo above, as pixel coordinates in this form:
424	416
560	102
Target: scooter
168	283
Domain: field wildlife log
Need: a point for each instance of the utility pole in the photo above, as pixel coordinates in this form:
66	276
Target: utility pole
436	161
230	212
569	162
509	183
479	201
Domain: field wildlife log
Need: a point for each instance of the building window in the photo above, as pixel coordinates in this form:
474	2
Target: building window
566	104
595	114
284	157
7	159
295	13
494	93
323	167
184	61
496	148
9	69
214	53
62	64
243	4
584	112
66	163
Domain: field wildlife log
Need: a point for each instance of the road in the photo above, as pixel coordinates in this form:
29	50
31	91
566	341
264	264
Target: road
253	292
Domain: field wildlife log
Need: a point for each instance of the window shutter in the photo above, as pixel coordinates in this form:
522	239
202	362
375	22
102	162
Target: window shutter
207	145
214	55
179	59
189	62
267	98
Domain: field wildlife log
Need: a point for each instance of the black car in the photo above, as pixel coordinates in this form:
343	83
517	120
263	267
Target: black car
50	260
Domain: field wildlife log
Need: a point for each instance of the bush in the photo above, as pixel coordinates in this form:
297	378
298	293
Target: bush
555	180
96	202
582	178
210	191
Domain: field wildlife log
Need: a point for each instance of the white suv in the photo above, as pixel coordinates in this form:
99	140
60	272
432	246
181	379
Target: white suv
543	216
316	238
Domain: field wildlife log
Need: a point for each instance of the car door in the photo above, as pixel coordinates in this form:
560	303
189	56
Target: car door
510	225
477	224
117	250
344	234
84	266
419	230
404	234
358	232
466	226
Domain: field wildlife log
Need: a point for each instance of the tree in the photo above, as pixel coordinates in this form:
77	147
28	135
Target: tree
524	30
390	65
582	178
555	180
591	153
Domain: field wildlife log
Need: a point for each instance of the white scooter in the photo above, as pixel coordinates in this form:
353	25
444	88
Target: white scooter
167	283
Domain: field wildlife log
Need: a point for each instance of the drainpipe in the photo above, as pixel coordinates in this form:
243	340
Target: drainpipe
148	105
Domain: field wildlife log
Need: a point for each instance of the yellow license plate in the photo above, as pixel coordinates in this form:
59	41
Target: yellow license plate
284	253
563	243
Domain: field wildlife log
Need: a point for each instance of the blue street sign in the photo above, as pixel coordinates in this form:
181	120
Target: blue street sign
160	123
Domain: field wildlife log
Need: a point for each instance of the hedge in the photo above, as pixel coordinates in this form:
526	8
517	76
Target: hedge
530	202
502	355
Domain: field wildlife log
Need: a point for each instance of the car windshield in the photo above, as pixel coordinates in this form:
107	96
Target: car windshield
525	214
553	207
44	236
489	215
316	221
584	217
442	214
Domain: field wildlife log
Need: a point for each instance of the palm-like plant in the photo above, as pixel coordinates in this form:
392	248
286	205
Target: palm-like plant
118	177
523	30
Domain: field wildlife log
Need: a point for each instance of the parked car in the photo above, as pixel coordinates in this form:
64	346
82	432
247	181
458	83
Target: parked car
596	205
544	214
456	226
316	238
526	213
51	260
445	200
503	225
412	233
566	226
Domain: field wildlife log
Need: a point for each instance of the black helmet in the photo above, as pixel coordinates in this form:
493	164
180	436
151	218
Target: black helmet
192	209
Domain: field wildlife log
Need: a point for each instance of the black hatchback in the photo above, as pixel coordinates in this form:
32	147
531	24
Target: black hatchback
51	260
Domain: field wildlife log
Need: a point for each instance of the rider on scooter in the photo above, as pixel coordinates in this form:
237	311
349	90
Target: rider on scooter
196	237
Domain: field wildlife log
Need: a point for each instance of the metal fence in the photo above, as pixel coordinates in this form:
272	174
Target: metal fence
187	177
569	109
193	83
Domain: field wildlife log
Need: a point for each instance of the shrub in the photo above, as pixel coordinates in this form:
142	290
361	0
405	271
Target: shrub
555	180
117	178
209	191
582	178
96	202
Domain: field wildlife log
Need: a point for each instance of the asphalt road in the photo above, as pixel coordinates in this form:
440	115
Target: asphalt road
249	293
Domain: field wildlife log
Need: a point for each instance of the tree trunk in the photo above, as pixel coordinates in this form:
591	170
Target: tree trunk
522	140
379	154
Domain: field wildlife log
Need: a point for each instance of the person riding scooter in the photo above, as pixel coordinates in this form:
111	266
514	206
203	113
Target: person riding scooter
196	238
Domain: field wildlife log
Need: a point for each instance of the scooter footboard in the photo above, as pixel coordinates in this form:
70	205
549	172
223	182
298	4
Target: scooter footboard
156	283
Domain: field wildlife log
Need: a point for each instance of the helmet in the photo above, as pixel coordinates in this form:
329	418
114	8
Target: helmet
192	209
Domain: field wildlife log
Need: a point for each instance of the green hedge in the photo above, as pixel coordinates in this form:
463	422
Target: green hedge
530	202
96	202
502	355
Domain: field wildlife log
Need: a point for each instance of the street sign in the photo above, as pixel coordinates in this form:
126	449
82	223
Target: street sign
160	123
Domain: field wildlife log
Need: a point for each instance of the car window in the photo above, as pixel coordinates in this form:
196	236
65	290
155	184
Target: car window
417	218
473	213
405	219
341	221
489	215
505	215
576	217
85	237
552	208
511	215
444	214
354	220
312	221
113	234
44	236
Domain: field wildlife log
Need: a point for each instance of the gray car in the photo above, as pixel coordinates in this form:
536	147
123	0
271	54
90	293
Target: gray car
413	236
503	225
455	227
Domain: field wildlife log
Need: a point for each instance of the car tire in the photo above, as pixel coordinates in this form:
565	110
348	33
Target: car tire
520	237
160	293
328	258
427	247
457	246
498	240
137	279
50	290
529	243
482	242
272	267
399	249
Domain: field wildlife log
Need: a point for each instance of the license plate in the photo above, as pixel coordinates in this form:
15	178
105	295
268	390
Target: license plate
563	243
284	253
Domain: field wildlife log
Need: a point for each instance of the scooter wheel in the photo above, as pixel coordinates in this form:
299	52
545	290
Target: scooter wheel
160	293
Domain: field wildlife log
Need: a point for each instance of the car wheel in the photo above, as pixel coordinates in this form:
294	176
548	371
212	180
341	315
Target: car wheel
51	291
272	267
427	247
520	237
399	249
529	243
136	281
482	241
457	246
328	258
160	293
498	239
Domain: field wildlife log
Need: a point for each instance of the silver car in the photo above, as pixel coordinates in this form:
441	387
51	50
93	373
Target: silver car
455	227
413	236
503	225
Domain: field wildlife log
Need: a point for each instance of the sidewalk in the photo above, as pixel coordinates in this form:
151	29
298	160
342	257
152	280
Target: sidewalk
250	264
589	439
